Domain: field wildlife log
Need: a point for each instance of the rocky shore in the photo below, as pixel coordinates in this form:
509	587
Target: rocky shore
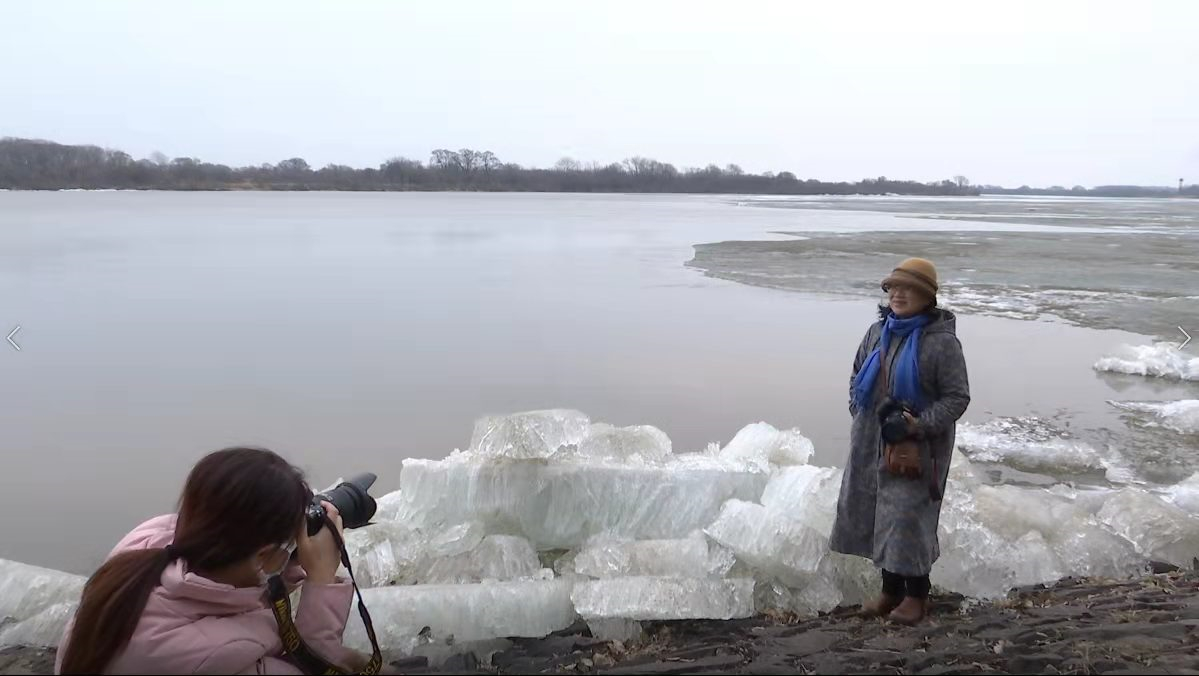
1078	626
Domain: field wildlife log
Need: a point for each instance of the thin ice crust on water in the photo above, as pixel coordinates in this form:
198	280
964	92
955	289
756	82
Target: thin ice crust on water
664	598
1181	416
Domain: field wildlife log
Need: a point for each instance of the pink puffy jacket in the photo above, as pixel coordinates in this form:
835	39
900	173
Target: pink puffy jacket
192	625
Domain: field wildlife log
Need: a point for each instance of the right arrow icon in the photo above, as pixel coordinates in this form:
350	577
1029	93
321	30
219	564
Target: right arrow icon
1184	343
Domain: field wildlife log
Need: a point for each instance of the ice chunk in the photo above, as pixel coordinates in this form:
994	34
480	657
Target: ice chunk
806	493
761	445
1161	360
774	544
392	553
561	504
529	435
384	552
35	603
1160	530
640	443
994	538
609	556
1185	494
664	598
496	557
1181	416
1087	549
466	612
42	630
458	539
388	507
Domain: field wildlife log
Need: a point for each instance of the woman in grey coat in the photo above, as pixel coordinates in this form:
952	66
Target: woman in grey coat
909	365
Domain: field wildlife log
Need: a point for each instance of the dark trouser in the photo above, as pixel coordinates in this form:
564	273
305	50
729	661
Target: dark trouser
900	585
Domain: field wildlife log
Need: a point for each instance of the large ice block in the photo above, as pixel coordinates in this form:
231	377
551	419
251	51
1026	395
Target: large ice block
770	542
35	603
466	612
1160	529
608	556
528	435
561	504
664	598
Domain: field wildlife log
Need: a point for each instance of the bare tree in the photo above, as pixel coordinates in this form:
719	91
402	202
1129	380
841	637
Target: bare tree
567	164
468	159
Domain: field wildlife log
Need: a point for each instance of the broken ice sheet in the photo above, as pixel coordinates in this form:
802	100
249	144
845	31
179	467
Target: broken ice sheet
664	598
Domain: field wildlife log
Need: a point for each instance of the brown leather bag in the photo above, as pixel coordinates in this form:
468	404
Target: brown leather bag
903	458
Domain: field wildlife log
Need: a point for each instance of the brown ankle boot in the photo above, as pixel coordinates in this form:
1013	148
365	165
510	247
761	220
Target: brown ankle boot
880	606
910	611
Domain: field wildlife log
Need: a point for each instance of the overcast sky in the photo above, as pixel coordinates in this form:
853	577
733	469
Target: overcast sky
1039	93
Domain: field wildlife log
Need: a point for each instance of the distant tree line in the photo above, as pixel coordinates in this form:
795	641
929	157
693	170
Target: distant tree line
1097	191
44	165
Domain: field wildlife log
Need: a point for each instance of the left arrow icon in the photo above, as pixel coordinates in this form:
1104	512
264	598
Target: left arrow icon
13	342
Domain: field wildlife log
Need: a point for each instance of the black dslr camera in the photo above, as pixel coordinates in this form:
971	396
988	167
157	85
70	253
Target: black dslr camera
891	420
352	501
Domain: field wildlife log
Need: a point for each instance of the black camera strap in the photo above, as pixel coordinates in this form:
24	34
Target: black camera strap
293	644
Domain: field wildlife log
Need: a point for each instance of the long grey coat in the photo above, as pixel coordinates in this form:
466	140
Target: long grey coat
890	519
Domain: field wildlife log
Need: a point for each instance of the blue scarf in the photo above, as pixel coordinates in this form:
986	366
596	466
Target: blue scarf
905	370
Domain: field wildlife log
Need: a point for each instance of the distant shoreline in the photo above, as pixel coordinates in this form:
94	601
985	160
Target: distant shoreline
591	192
44	165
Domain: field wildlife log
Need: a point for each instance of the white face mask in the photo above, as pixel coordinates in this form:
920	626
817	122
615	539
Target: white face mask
264	575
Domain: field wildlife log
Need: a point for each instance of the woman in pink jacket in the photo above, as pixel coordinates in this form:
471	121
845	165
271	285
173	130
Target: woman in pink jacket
187	593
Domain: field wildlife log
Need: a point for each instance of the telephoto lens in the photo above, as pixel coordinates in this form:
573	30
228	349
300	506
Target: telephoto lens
352	501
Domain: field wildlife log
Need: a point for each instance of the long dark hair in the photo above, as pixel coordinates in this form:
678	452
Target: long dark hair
235	502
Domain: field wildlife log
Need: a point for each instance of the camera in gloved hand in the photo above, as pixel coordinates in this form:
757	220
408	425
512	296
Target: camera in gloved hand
901	447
